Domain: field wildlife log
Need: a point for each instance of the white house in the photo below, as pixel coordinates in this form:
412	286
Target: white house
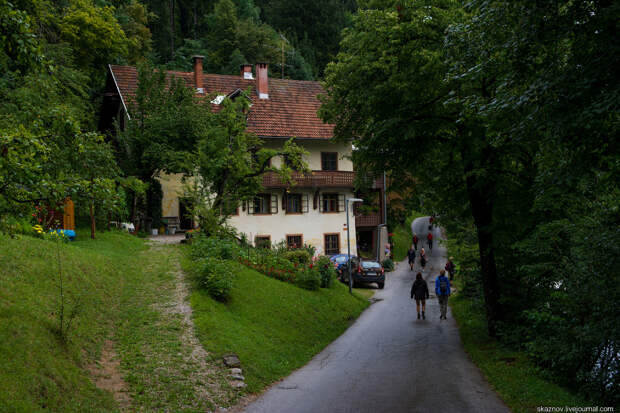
310	212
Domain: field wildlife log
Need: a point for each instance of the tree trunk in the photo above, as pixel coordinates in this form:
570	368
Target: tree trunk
481	200
171	4
92	219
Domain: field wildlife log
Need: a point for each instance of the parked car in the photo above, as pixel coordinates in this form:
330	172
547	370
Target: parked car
340	263
363	271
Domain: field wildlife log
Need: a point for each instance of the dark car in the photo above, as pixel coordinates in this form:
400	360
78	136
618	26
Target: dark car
340	262
364	272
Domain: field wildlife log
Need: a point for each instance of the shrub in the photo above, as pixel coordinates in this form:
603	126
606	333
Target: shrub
215	276
214	247
388	264
299	256
310	279
326	270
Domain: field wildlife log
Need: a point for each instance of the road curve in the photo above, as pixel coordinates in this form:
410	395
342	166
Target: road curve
388	361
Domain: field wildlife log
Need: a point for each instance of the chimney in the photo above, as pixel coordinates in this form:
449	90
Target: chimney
262	81
197	59
246	71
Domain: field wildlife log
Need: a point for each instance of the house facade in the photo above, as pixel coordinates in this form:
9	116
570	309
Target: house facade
311	211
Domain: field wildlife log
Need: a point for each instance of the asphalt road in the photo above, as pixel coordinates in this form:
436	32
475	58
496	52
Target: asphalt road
388	361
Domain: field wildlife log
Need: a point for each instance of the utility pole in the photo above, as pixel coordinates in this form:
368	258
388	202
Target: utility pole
282	58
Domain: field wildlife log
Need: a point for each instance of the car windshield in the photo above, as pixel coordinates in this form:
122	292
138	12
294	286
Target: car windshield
370	264
341	259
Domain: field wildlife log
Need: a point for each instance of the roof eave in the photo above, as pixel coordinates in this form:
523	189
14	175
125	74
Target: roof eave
118	90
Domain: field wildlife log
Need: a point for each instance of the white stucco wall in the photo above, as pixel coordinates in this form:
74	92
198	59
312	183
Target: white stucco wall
314	148
172	188
313	225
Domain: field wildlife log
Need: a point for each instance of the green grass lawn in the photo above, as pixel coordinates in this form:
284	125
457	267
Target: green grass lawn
39	370
402	237
126	290
514	377
273	326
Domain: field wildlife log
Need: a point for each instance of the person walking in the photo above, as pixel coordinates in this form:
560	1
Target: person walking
422	258
419	291
451	268
415	241
442	290
411	257
429	239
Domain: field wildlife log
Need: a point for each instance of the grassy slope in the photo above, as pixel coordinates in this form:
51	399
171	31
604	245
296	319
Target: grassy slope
273	326
402	237
520	384
38	370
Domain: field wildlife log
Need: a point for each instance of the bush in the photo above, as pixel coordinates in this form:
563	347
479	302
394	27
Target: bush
310	279
326	270
299	256
214	247
215	276
388	264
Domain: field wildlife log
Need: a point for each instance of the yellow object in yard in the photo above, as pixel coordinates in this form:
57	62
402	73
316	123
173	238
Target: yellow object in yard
68	216
162	230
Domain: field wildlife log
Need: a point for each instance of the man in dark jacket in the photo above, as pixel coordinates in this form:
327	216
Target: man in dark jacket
411	257
419	290
442	290
451	268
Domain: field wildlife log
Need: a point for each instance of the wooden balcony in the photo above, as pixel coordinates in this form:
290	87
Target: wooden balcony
313	179
370	220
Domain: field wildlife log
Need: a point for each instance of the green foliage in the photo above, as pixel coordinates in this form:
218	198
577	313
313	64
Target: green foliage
507	115
326	270
298	256
388	264
214	247
93	33
215	276
309	279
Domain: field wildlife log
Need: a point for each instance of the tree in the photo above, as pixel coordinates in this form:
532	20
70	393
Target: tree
395	91
229	162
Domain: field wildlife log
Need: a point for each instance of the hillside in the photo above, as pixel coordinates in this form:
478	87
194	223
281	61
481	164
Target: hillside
128	346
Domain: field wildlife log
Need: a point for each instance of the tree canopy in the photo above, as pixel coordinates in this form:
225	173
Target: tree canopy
506	113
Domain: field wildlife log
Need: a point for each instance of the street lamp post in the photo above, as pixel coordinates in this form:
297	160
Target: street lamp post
346	202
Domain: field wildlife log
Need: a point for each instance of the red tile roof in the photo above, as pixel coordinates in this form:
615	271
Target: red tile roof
290	111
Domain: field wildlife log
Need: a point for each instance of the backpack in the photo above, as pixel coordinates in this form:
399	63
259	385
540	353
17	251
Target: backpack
443	285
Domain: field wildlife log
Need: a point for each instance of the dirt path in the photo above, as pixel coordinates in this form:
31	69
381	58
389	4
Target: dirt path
107	376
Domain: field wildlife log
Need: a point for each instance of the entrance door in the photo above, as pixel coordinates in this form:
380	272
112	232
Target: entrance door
185	218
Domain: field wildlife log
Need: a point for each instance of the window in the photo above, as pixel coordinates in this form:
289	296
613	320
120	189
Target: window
295	203
332	202
332	244
263	241
329	161
264	204
294	241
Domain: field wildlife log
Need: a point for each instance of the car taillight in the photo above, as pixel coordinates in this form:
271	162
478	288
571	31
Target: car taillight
359	270
382	270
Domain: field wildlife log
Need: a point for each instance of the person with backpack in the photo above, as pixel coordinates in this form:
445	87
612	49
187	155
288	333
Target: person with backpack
429	239
422	258
442	290
451	268
411	257
415	241
419	291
